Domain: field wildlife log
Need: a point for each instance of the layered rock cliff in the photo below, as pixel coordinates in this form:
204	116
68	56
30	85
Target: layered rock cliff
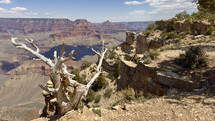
196	26
32	25
145	79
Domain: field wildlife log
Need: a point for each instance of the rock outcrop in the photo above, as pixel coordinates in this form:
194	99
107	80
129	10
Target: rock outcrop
145	79
196	27
142	44
147	42
129	45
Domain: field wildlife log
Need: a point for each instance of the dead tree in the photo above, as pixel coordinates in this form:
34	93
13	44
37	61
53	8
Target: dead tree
61	78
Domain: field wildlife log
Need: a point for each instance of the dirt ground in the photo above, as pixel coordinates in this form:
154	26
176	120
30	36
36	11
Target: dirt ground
183	107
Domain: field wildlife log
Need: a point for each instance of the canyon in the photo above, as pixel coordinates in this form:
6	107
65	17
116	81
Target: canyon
49	34
21	73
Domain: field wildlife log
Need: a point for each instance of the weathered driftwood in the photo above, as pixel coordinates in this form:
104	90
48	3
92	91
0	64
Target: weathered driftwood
61	78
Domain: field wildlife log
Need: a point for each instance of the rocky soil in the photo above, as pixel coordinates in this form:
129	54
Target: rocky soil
181	107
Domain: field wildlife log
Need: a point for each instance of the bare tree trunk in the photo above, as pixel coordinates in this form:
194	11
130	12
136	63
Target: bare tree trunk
61	78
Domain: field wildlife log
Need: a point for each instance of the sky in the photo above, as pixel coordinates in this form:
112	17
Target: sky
96	11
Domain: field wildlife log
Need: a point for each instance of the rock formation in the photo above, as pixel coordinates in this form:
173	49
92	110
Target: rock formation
196	27
129	45
50	100
147	42
142	44
145	79
29	25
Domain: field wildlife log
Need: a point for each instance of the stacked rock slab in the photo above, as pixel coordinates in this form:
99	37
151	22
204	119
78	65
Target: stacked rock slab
129	45
145	79
50	100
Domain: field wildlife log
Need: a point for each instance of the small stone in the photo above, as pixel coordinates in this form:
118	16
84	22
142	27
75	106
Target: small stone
117	107
45	93
49	82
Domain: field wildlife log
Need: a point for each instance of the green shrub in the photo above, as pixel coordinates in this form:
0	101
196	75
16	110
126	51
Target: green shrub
129	94
112	54
167	47
170	35
169	28
147	60
194	57
77	77
108	92
153	54
100	83
157	27
141	98
151	27
210	30
188	30
90	96
181	16
97	111
98	98
147	32
196	15
117	67
85	64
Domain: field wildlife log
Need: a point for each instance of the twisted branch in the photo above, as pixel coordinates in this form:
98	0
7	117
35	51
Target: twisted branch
35	53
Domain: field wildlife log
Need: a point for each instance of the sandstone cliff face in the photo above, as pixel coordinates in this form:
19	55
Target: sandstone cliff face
63	28
145	79
28	25
196	27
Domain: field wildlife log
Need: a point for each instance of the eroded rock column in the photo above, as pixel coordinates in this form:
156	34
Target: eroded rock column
142	44
129	45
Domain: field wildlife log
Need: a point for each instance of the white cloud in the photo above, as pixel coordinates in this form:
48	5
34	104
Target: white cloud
18	9
49	13
31	13
5	1
134	2
16	12
166	6
137	12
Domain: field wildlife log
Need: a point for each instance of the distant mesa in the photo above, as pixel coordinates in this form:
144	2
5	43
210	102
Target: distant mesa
107	23
82	22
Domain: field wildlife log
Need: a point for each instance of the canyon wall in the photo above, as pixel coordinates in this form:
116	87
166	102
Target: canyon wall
196	27
31	25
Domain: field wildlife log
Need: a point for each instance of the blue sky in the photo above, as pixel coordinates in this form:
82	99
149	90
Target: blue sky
96	10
